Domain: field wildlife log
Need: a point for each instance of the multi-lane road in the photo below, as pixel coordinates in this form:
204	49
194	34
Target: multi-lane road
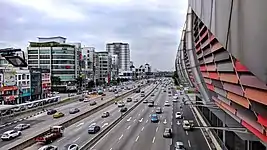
134	132
77	133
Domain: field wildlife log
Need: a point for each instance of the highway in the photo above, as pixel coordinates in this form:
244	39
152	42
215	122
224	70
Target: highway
136	130
42	121
77	133
193	140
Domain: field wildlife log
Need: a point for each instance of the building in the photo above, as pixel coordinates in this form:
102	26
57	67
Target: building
36	83
114	67
227	68
55	54
46	83
88	62
123	52
23	85
105	62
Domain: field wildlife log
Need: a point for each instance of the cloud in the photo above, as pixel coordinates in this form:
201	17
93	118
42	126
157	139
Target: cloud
151	27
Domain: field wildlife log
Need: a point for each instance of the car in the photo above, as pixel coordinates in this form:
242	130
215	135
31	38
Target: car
51	111
8	135
175	100
93	129
129	99
158	110
164	90
124	109
81	99
187	124
22	126
135	100
103	94
167	133
74	110
121	104
92	103
152	94
48	147
105	114
143	95
179	146
86	100
167	103
71	147
150	104
71	94
145	101
58	115
116	95
154	118
178	115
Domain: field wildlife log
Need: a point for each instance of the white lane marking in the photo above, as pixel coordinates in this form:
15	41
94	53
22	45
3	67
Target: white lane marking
178	123
189	144
157	129
80	124
137	138
129	119
102	122
142	128
165	121
76	140
138	114
146	121
153	141
128	127
61	139
142	110
121	137
141	120
186	132
105	124
110	149
152	110
134	120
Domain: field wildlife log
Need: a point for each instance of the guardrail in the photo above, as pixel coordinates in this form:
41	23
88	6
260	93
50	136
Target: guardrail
30	141
91	143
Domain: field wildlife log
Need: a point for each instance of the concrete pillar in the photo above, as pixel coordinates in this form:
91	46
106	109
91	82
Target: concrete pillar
224	133
248	145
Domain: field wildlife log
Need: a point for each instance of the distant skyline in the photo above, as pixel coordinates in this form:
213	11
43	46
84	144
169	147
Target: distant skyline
151	27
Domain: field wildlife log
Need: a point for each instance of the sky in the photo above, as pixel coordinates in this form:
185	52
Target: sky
151	27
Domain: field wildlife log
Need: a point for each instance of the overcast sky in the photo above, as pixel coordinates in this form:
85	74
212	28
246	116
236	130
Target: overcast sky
151	27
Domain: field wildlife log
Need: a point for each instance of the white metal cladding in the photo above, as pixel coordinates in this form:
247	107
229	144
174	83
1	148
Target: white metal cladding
248	28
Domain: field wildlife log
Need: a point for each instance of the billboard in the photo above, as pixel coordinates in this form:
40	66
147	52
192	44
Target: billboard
10	77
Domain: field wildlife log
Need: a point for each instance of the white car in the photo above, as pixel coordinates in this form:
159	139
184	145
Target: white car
174	100
178	115
48	147
167	103
8	135
86	100
175	97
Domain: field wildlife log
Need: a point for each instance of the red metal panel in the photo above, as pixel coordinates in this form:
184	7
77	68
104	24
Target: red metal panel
254	131
262	120
240	67
210	87
214	75
203	68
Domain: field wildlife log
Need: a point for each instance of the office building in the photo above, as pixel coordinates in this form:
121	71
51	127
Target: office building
226	63
105	61
114	67
55	54
123	52
88	62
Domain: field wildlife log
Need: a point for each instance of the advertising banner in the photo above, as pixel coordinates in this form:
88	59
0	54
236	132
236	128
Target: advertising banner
10	77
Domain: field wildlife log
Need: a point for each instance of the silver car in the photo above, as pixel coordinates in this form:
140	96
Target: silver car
22	126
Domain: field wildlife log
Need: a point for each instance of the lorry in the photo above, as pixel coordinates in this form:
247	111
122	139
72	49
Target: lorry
54	133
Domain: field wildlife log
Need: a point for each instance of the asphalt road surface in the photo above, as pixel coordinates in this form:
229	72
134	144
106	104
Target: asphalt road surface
43	121
77	133
137	132
193	140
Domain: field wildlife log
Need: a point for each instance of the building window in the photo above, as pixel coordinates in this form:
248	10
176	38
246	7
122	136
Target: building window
23	76
33	57
63	72
63	62
44	61
33	61
44	67
44	51
28	76
63	57
32	51
44	56
19	77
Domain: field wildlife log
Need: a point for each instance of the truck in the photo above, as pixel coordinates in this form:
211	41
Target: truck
54	133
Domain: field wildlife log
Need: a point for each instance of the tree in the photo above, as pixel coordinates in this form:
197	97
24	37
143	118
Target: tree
90	84
55	80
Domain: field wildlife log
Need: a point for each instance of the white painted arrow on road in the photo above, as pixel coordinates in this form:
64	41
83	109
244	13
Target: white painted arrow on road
80	124
129	119
178	123
105	124
141	120
165	121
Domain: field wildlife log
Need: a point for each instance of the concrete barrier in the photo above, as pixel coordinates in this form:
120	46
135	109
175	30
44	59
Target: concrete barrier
92	142
65	123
